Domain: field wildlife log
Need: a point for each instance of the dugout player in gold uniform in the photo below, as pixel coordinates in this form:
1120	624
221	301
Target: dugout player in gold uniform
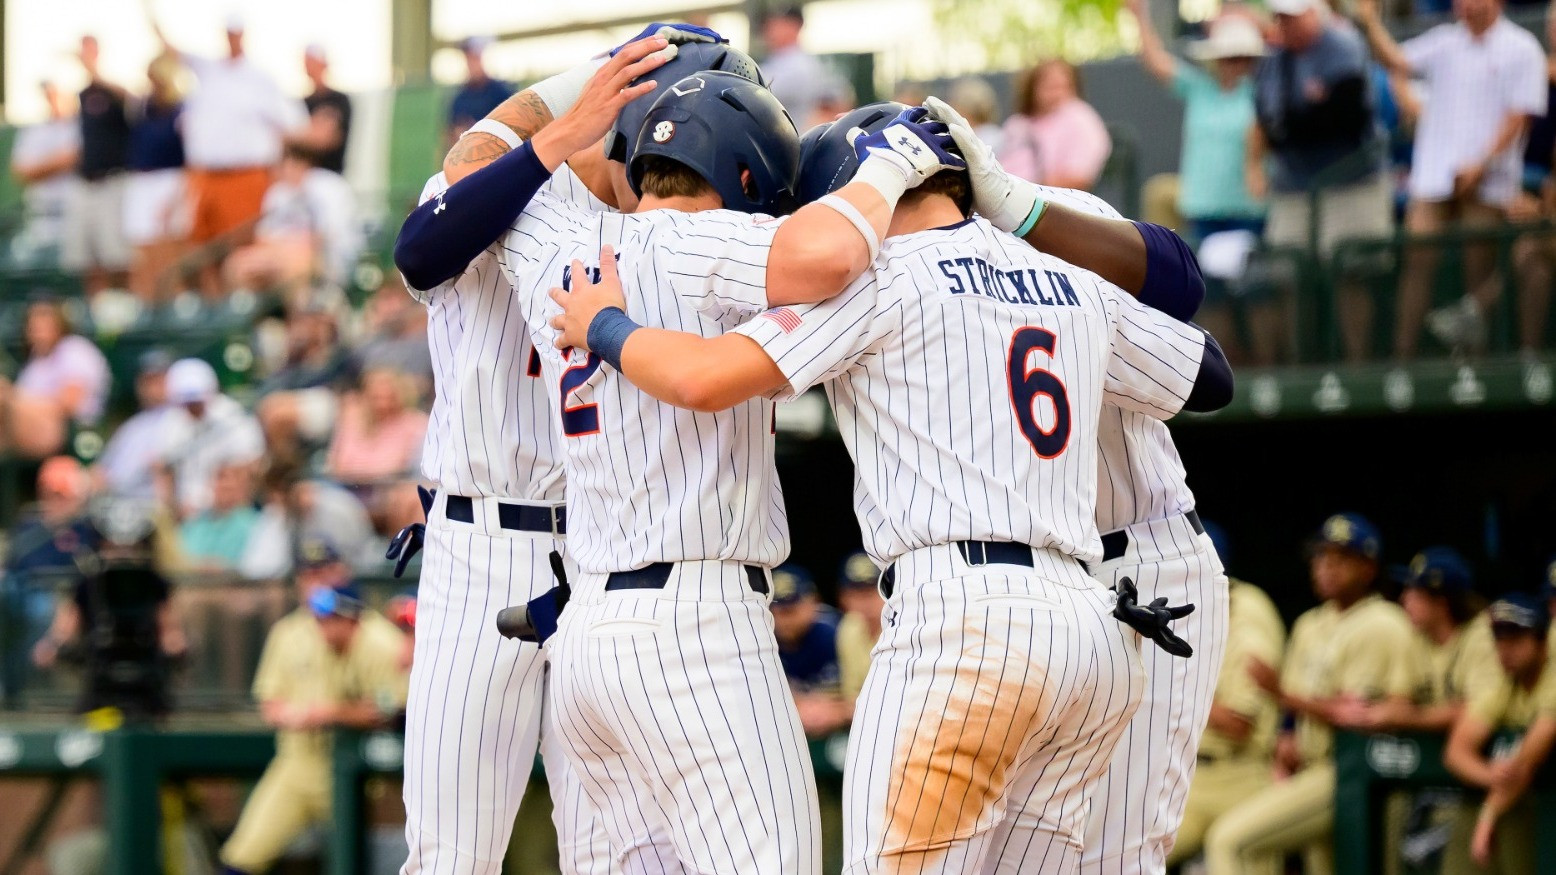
1234	754
1354	646
1499	834
331	663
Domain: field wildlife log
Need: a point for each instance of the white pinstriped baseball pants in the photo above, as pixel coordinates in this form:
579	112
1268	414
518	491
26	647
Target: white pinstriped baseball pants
994	699
476	709
673	708
1138	805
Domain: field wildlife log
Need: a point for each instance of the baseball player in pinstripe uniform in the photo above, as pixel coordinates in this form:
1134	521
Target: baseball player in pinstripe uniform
667	690
474	717
967	373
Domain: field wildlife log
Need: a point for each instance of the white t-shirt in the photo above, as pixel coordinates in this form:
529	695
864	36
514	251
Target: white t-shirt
237	117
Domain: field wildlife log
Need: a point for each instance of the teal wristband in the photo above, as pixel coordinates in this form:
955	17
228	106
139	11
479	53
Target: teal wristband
1038	209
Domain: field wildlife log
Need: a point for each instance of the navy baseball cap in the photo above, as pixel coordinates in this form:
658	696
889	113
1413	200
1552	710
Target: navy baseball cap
315	553
858	571
1519	610
1351	532
1439	569
336	601
791	583
154	361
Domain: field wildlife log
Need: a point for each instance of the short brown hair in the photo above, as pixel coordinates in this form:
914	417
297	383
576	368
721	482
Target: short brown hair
1026	81
954	184
664	177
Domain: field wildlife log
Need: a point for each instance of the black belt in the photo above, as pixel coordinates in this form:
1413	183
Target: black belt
657	575
1116	544
975	553
513	517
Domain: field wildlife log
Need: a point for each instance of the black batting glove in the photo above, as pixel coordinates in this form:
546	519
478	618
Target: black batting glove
1152	620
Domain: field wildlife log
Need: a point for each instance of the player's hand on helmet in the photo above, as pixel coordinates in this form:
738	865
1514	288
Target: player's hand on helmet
587	298
678	33
1005	200
1152	620
602	99
915	145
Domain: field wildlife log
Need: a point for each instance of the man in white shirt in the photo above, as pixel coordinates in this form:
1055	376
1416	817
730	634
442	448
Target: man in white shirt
204	430
1486	77
43	160
234	126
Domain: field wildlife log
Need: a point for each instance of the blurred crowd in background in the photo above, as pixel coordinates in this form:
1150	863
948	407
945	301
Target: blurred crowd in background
1302	128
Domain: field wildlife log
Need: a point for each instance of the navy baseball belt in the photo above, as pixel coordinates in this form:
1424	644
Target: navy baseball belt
657	575
512	517
975	554
1116	544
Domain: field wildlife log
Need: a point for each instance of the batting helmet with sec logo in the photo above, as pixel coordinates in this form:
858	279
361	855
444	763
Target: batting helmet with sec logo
690	58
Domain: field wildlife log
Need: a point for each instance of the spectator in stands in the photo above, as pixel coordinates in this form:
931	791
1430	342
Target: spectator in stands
331	663
155	199
1318	127
1054	137
1522	702
479	95
1235	751
296	510
807	644
94	243
43	161
799	79
217	538
377	445
836	98
299	402
860	599
1485	77
329	114
41	562
306	229
204	430
974	98
396	334
127	466
234	125
1353	645
1457	649
63	384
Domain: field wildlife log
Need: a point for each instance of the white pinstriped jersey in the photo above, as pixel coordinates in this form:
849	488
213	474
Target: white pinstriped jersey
967	374
1140	474
491	432
648	482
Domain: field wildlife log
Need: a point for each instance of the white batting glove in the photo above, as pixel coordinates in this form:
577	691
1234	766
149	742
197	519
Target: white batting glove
905	153
1009	202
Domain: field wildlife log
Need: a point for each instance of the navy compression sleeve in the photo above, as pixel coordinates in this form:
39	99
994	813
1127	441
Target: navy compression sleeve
1213	385
442	236
1173	282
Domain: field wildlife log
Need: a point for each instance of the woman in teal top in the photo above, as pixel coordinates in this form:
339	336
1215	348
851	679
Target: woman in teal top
1218	110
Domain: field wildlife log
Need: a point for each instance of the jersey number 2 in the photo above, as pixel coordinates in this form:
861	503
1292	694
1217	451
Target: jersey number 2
579	419
1029	383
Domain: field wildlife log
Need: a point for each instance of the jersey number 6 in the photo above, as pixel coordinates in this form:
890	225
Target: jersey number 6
579	419
1029	383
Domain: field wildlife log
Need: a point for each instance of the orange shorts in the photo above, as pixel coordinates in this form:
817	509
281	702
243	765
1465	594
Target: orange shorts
221	200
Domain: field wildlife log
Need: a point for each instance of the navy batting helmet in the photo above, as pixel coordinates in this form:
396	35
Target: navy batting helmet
720	125
690	58
827	159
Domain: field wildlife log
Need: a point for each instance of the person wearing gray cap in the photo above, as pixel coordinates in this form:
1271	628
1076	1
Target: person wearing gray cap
1521	703
205	430
127	465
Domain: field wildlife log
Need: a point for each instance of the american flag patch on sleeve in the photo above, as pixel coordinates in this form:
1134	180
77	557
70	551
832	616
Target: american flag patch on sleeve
786	319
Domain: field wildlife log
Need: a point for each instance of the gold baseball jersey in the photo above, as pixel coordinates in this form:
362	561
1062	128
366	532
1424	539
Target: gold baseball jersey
1255	631
1369	650
1464	666
298	666
854	643
1508	705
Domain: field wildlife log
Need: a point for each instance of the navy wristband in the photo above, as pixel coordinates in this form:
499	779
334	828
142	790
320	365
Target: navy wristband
1173	282
608	333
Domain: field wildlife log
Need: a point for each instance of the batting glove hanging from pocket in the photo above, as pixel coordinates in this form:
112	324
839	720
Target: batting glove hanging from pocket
1151	620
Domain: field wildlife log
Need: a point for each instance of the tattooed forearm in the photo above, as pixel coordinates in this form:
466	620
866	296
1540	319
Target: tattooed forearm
525	113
